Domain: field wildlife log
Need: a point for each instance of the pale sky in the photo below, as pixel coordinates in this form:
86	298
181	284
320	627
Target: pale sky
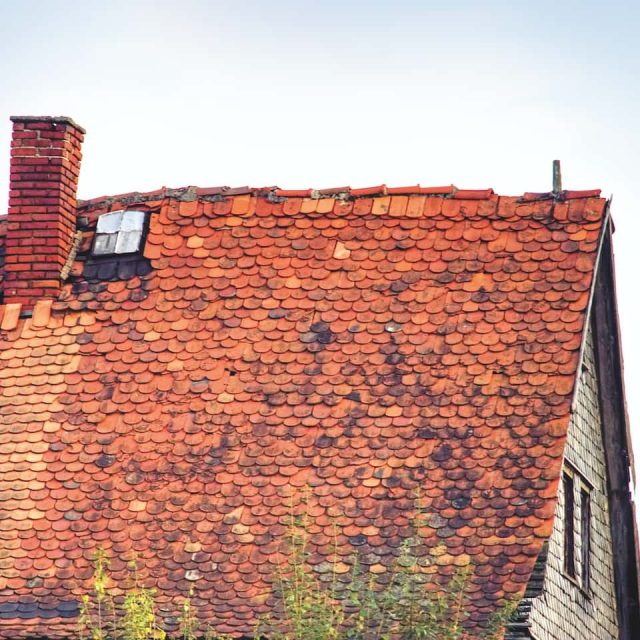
332	93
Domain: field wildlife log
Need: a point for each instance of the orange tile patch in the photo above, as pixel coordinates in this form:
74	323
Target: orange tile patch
346	350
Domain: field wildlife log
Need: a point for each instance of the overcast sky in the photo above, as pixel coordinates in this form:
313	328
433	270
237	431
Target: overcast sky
331	93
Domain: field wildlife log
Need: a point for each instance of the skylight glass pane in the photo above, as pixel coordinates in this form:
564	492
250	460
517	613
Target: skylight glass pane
109	222
132	221
105	243
128	241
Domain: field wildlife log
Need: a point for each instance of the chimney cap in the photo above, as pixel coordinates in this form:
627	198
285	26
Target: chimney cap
52	119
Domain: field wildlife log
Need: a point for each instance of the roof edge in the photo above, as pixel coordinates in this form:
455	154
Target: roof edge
617	442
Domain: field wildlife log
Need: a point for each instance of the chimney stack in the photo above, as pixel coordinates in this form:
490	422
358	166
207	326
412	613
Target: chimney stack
45	163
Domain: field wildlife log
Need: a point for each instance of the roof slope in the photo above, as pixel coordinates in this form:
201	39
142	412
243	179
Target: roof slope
356	346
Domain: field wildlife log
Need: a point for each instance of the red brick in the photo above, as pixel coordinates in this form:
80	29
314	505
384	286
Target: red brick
45	163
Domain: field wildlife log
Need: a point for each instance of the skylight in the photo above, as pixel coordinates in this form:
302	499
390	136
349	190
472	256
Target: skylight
119	232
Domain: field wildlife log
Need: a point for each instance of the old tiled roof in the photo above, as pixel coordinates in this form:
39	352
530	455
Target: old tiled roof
356	346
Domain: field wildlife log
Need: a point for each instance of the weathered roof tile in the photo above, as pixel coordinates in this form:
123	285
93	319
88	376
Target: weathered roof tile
339	351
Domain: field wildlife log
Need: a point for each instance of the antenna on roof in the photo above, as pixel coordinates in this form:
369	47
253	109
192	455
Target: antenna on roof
557	177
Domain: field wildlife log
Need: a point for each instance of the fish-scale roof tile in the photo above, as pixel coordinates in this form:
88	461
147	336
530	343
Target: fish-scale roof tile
337	350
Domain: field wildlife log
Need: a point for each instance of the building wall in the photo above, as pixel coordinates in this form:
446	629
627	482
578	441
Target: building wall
563	611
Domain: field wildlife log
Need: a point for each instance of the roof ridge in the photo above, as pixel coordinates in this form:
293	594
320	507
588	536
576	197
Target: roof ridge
450	191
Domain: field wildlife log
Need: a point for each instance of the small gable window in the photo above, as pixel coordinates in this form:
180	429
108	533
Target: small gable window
577	527
569	525
118	233
585	533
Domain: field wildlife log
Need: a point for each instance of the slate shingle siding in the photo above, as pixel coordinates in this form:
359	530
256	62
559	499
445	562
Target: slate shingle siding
563	612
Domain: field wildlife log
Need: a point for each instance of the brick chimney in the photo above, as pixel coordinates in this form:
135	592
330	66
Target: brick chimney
45	163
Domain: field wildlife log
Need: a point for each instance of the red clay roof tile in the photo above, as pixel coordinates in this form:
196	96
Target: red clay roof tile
289	348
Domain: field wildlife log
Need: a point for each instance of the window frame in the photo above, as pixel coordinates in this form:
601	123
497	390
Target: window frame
575	484
586	523
142	241
569	548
